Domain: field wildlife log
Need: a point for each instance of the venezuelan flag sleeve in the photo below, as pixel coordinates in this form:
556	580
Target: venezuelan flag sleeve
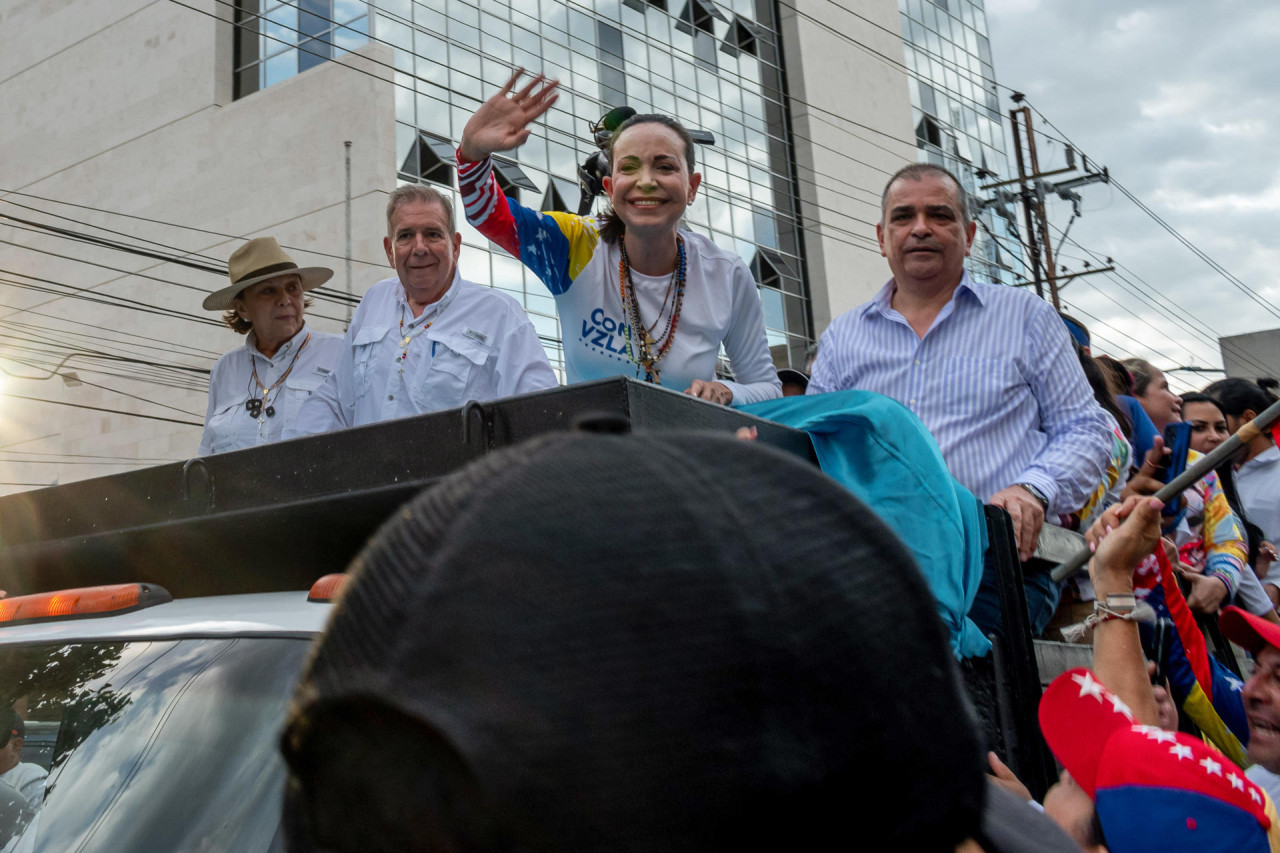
556	246
1225	549
1203	688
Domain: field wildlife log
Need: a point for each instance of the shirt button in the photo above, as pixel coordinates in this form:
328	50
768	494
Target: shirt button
917	362
911	402
391	396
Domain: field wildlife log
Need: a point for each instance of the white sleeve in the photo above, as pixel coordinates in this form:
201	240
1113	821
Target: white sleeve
745	343
522	365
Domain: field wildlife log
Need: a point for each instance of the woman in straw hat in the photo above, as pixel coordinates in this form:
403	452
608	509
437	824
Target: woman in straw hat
255	390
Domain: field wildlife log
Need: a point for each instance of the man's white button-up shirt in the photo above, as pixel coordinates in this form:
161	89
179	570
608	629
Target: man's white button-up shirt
474	343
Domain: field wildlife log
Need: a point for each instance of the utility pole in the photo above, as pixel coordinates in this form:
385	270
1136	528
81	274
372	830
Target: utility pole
1032	190
1041	219
1024	192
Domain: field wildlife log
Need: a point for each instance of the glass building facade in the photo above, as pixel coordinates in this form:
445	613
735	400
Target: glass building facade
715	66
955	107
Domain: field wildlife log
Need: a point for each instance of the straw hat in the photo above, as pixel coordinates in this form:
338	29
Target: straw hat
258	260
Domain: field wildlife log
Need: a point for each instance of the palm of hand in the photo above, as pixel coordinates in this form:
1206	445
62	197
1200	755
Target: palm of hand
499	125
502	122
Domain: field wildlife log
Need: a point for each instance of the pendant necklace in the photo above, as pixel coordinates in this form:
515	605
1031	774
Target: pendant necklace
406	340
256	405
649	350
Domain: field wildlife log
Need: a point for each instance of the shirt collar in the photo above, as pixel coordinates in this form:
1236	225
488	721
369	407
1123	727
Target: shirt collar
434	309
882	303
286	348
1267	457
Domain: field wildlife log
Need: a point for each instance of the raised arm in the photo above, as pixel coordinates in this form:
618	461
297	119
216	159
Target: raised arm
1121	538
502	122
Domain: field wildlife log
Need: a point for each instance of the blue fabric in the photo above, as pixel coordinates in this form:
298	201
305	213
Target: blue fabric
1040	590
1175	819
1144	430
884	455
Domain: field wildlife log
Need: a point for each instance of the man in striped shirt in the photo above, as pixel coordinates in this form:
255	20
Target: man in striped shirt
989	369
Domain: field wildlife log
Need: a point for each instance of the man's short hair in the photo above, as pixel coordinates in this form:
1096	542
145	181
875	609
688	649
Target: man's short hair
1236	395
419	194
918	172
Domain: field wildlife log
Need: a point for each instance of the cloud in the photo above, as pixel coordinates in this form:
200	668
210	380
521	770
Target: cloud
1182	107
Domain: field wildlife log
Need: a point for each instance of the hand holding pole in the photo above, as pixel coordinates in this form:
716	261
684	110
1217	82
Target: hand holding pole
1202	466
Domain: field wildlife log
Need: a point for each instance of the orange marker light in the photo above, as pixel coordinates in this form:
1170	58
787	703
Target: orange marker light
327	588
85	601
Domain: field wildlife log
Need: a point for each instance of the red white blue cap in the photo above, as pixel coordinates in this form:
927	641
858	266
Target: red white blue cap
1155	790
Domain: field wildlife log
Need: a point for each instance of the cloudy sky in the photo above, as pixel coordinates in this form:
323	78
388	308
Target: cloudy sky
1181	100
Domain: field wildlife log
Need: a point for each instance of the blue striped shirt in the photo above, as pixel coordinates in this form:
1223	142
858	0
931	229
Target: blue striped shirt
995	380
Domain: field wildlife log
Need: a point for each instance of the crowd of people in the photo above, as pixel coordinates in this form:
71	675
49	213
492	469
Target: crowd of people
582	675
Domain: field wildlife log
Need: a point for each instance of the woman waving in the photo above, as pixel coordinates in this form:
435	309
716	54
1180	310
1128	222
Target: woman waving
637	294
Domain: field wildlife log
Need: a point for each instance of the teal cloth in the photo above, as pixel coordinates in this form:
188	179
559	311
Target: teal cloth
880	451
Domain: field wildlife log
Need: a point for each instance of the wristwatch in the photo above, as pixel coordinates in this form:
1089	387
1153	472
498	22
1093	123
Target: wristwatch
1037	494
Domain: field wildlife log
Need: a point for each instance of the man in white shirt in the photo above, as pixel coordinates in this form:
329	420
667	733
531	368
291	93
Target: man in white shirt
1257	475
426	339
25	778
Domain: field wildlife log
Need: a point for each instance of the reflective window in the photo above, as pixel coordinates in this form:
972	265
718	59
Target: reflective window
709	63
153	745
276	40
957	113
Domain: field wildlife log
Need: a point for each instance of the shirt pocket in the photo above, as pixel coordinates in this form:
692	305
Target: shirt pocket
296	391
452	376
222	429
364	347
980	387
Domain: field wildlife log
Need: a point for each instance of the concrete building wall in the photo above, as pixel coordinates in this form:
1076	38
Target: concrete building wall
851	116
129	112
1252	356
120	117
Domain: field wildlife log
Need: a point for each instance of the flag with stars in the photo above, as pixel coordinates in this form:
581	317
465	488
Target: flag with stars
1155	790
1206	691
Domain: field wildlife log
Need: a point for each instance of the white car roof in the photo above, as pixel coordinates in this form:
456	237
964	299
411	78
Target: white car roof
260	614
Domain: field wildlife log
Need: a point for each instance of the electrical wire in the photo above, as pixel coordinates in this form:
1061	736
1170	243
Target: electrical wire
99	409
84	381
125	272
1142	206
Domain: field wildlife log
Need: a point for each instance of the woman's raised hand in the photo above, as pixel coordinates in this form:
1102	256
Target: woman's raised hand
502	122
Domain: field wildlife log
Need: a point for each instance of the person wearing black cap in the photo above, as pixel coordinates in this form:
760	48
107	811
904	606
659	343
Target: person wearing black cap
25	778
517	664
794	382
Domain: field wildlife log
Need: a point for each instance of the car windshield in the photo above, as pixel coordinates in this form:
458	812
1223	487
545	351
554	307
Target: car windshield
149	746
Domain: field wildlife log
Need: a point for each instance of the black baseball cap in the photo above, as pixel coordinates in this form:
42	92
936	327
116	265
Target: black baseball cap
597	642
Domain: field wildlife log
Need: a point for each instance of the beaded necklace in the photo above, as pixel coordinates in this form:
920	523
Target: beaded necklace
647	357
255	405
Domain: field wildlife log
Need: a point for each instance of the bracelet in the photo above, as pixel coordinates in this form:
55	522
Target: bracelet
1125	607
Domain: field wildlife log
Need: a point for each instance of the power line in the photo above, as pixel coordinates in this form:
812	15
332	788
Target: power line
101	409
125	272
171	224
132	339
1197	251
1179	318
151	460
114	244
84	381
